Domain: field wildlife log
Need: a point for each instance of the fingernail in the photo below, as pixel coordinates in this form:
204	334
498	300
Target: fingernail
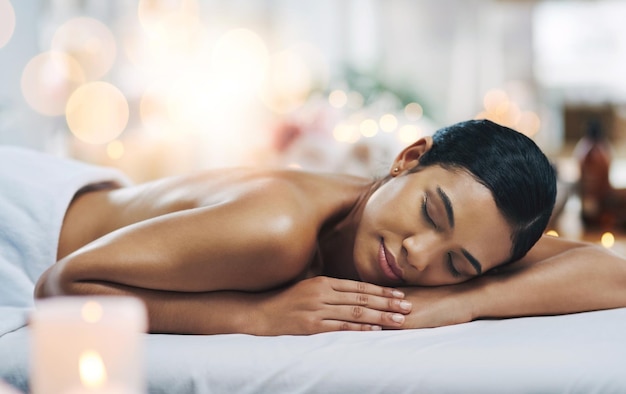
397	294
406	305
376	328
398	318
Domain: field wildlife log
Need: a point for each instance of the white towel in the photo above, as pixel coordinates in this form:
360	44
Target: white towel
35	191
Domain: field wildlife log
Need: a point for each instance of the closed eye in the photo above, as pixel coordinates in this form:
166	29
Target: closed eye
425	214
449	263
451	266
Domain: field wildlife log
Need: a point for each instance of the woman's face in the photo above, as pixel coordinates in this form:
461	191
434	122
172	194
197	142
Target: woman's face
429	228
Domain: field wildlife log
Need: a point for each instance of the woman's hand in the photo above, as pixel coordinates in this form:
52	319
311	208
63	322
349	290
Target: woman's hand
322	304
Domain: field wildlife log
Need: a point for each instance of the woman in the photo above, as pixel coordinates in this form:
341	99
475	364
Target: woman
272	252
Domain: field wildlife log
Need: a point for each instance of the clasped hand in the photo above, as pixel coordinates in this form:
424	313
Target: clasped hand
323	304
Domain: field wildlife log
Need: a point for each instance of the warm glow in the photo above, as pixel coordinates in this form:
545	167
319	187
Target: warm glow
388	123
97	113
495	99
368	128
7	22
529	123
288	82
171	38
413	111
408	134
91	312
338	98
501	109
115	149
607	240
552	233
90	42
346	132
507	114
162	19
195	103
48	80
92	371
239	62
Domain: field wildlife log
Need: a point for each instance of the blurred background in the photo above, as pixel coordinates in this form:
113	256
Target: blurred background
162	87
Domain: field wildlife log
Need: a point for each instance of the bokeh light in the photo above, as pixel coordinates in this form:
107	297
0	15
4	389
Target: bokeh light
552	233
409	133
7	22
346	132
90	42
338	98
500	108
607	240
368	128
97	113
413	111
529	123
170	37
388	123
91	311
49	79
494	99
115	149
167	19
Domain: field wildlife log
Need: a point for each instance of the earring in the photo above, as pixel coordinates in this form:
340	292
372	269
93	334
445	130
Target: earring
396	170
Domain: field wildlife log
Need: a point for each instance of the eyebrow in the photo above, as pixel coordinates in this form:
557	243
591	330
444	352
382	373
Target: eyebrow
473	261
450	213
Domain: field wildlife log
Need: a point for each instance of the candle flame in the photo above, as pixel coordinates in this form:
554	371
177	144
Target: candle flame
92	371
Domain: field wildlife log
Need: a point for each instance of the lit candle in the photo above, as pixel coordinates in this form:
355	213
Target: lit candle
88	345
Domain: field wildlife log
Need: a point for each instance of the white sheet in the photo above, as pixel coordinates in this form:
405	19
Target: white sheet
581	353
35	191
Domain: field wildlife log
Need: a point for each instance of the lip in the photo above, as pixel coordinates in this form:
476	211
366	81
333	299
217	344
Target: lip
388	263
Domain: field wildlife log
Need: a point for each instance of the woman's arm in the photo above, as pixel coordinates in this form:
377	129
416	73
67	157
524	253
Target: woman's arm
310	306
556	277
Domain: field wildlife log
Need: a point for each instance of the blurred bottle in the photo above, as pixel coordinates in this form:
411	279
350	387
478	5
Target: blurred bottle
594	158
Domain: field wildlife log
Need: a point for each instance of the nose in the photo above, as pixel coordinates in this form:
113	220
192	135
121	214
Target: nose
421	250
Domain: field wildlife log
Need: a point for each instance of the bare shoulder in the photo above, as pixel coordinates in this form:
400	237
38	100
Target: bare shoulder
547	247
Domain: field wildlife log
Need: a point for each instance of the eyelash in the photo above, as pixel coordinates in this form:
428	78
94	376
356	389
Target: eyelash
451	266
427	217
425	213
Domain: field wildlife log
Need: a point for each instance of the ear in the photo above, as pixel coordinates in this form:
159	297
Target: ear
409	157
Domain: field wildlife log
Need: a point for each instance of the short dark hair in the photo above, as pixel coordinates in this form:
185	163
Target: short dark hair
519	175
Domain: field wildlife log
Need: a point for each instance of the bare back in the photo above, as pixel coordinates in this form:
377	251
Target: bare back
246	229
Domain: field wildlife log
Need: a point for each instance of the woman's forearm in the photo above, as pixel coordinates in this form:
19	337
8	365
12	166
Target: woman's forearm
310	306
576	280
560	277
171	312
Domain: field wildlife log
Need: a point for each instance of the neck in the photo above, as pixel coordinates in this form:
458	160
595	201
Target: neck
337	240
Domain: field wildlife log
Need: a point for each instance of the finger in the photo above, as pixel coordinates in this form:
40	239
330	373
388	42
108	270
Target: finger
378	303
338	325
364	315
354	286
